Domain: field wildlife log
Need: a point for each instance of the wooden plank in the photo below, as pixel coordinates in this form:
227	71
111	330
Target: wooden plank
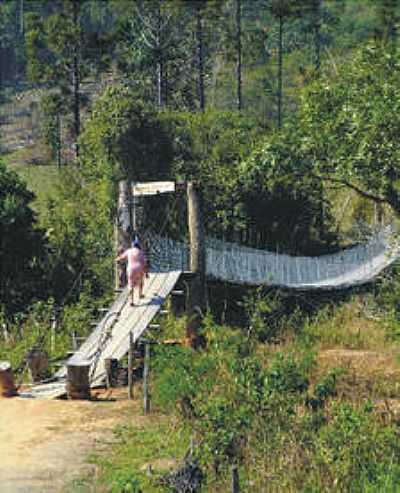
44	391
153	188
90	346
137	318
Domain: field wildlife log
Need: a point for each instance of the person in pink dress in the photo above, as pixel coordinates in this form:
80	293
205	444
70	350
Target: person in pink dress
136	268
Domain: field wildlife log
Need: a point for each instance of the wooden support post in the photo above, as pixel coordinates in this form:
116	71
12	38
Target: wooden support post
130	367
74	341
111	367
146	370
7	386
78	386
53	330
191	446
235	479
176	302
124	231
197	287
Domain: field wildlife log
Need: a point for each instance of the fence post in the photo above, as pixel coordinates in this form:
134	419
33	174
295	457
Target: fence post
53	329
130	367
146	390
235	479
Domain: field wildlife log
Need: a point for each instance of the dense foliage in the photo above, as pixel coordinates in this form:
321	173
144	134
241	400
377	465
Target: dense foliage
267	417
125	138
22	246
278	108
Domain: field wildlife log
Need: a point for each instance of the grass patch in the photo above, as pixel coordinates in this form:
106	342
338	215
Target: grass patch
41	179
141	454
347	327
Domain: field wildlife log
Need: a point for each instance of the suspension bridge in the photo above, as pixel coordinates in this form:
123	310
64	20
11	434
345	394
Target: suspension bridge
221	261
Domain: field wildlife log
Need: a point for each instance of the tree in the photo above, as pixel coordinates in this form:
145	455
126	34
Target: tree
388	17
8	42
203	19
146	40
124	138
282	10
347	131
60	53
22	246
351	126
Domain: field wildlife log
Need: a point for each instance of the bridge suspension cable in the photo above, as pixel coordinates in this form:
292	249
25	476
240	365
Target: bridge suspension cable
243	265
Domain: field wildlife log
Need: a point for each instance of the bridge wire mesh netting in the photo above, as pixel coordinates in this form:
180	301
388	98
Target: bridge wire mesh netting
244	265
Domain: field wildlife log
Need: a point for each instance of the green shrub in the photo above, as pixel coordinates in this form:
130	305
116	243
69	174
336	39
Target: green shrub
285	375
354	451
125	482
181	376
324	389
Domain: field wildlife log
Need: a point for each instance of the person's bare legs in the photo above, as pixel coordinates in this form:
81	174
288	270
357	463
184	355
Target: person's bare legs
141	295
132	295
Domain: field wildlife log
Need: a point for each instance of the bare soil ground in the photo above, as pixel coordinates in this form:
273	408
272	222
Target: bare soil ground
44	444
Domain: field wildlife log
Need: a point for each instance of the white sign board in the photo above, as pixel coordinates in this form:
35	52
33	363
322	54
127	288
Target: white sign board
153	188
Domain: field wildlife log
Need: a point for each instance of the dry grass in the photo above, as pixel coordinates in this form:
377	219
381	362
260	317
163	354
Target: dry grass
349	327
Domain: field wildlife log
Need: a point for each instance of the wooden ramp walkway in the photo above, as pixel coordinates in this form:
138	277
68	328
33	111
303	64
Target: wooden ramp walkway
110	338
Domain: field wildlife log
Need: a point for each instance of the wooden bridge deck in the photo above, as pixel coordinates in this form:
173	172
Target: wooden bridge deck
110	338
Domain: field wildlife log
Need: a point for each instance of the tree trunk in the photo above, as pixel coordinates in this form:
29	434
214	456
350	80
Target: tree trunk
160	102
159	59
200	57
19	42
239	54
76	80
21	18
317	36
166	85
280	70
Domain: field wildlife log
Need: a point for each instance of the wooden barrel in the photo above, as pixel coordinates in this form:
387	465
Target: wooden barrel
78	386
7	386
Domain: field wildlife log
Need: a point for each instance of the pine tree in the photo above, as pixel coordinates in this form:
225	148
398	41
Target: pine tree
146	43
59	53
282	10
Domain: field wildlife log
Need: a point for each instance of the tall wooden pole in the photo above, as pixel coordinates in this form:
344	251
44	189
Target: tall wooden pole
146	383
123	234
235	479
130	367
197	291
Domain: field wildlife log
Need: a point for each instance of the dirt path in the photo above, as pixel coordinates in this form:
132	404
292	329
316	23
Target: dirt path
44	444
